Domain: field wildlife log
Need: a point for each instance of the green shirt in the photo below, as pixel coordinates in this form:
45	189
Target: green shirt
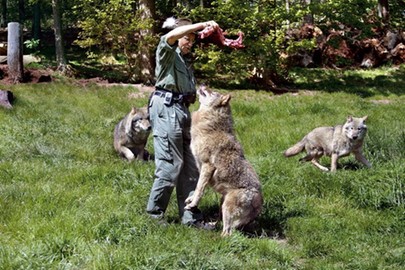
173	71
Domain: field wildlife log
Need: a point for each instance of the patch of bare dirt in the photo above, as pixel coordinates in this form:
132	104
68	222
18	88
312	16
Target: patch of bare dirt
144	90
45	75
29	76
381	101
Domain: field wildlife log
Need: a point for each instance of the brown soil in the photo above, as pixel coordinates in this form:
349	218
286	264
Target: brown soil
30	75
45	76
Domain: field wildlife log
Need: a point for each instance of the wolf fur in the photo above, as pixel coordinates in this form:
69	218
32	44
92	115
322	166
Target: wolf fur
335	142
131	135
221	162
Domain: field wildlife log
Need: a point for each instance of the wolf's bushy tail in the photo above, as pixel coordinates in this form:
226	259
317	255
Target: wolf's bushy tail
295	149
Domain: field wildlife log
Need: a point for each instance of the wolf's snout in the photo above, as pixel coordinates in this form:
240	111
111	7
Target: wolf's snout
201	92
355	137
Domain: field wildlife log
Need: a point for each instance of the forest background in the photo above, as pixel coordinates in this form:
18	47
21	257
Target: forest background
119	37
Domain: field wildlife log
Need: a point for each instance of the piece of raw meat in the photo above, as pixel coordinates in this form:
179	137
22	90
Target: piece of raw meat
218	37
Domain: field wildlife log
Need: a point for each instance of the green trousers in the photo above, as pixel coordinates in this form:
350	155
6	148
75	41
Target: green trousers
175	164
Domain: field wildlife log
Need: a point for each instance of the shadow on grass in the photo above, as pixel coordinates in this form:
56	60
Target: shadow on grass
365	83
261	227
113	74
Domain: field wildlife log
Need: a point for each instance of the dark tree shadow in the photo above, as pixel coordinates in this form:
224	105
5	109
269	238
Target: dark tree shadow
333	81
262	227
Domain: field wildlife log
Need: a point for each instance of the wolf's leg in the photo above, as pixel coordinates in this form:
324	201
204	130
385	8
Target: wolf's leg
239	208
140	154
228	203
127	153
317	164
359	157
308	157
226	222
334	162
206	172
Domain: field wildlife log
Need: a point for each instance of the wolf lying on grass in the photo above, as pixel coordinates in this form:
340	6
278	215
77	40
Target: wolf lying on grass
131	135
335	142
219	157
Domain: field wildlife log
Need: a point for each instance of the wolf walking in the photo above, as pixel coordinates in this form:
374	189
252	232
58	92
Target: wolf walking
335	142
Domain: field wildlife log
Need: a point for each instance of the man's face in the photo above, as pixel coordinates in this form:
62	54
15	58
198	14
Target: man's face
186	43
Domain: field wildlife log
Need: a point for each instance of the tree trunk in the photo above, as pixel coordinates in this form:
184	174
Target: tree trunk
3	15
383	10
308	18
59	49
287	8
36	21
146	53
21	11
15	52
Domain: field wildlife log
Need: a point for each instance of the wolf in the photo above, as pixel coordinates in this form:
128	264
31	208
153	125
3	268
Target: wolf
131	135
335	142
221	162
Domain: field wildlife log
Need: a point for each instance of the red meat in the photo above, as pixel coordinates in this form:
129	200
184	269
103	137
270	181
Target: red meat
218	37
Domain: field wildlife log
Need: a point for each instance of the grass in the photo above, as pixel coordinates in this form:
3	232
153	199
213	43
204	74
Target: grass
68	202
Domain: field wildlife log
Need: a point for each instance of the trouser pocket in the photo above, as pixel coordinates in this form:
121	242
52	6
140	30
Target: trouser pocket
162	146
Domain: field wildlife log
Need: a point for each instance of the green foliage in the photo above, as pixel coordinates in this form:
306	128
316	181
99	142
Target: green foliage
69	202
116	28
397	14
260	53
334	14
32	43
272	31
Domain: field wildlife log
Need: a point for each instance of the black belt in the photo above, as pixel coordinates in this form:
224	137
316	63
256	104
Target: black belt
175	97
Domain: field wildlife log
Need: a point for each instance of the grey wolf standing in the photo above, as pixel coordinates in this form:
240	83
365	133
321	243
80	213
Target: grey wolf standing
170	118
335	142
131	135
222	164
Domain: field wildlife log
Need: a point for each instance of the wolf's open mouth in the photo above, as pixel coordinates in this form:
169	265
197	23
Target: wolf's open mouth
201	92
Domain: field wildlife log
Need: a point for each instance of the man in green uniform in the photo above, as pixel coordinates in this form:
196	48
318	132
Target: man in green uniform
170	119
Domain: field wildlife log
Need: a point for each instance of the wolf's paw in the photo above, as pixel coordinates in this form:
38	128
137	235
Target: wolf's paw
189	203
189	200
190	206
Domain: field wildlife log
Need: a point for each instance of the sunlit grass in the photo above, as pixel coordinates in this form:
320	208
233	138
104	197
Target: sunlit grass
67	201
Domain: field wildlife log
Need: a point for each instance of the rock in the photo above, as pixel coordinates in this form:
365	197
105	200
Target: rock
6	98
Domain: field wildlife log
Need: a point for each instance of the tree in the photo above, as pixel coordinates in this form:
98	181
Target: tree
147	12
21	11
36	20
61	61
383	12
3	15
123	29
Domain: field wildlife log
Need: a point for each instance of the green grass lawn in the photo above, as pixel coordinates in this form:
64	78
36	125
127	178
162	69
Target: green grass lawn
67	201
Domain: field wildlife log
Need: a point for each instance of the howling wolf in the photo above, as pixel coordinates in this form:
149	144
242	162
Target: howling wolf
220	159
335	142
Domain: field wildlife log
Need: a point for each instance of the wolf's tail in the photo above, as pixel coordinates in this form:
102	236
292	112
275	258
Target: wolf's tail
295	149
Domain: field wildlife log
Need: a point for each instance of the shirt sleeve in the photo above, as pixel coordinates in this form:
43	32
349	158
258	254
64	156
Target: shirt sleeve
165	61
173	71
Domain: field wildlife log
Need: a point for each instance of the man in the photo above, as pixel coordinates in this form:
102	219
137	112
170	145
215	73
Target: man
170	120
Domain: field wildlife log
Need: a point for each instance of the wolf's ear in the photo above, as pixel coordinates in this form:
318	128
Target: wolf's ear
225	99
133	110
349	119
365	118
